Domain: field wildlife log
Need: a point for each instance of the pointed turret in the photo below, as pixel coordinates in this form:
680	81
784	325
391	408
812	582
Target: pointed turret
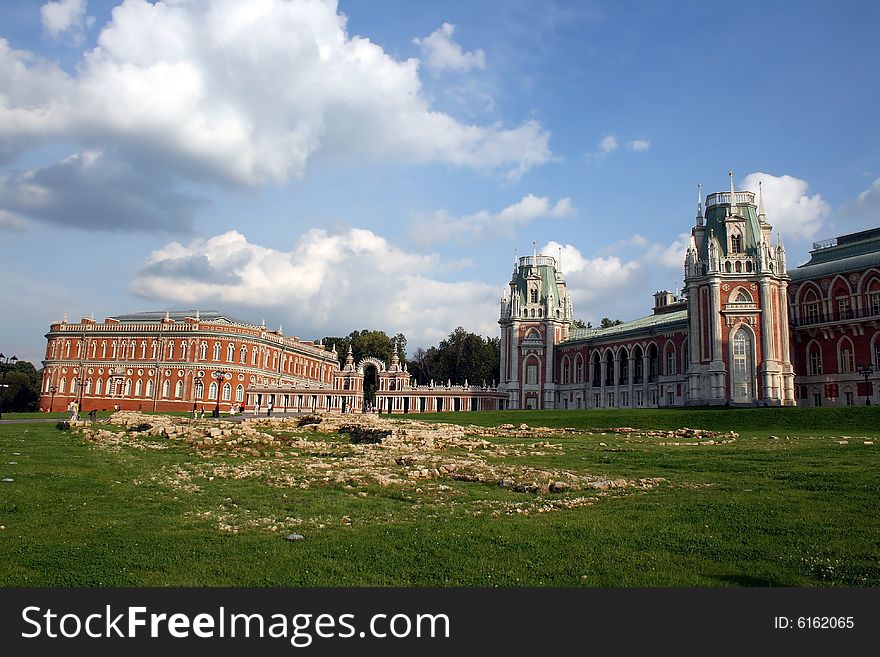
699	204
761	216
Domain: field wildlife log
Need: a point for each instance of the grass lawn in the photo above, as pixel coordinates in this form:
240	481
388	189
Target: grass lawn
799	508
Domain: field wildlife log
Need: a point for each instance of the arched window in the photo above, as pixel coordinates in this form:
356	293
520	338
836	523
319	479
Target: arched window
653	363
104	349
638	365
204	351
623	356
216	351
131	352
847	363
61	385
814	358
242	356
143	349
178	389
200	389
579	368
230	352
150	388
67	349
127	389
727	267
169	353
872	298
736	243
609	368
155	349
254	356
166	388
114	350
597	369
534	296
239	393
227	391
88	386
743	372
99	387
669	355
212	390
743	297
183	350
566	371
137	388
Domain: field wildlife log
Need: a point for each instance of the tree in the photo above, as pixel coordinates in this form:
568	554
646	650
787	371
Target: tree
368	343
22	391
460	357
608	323
579	324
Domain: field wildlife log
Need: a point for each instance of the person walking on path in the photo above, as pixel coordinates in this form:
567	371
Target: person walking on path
269	410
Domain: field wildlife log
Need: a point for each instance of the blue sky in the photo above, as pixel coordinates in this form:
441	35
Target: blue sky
375	164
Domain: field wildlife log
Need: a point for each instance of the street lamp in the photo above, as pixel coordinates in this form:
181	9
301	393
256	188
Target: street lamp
219	375
52	391
5	364
197	384
866	371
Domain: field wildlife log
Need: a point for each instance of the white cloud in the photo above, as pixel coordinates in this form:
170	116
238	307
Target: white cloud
619	284
247	92
639	145
443	53
324	284
870	198
440	227
66	18
789	209
608	144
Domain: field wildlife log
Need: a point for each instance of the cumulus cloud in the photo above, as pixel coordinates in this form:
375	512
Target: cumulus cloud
608	144
66	18
322	284
870	198
790	210
442	53
619	282
247	92
89	190
440	226
639	145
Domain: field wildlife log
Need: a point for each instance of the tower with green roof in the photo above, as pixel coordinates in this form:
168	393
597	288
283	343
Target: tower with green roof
536	316
736	284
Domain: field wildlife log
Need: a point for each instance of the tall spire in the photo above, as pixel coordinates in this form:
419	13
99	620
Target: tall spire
732	193
761	204
699	204
559	261
534	249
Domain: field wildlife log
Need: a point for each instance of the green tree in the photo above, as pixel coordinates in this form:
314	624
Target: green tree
368	343
608	323
461	357
22	388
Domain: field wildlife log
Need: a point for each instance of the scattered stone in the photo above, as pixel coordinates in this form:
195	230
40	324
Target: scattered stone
843	442
294	537
869	442
8	480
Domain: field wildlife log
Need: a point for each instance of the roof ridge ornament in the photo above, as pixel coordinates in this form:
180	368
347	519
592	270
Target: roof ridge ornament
732	193
699	204
761	216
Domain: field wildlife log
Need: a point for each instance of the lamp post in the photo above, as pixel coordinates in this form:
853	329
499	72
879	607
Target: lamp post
197	383
52	391
219	375
866	371
7	364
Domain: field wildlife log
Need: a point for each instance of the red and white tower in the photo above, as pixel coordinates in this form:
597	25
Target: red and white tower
736	284
536	315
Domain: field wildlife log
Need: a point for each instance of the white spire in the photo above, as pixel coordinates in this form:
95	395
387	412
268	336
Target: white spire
699	204
559	261
732	193
761	203
534	249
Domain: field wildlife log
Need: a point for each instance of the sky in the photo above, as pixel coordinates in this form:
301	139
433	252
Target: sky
333	166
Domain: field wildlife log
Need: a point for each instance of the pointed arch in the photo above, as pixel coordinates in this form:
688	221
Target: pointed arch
742	342
609	367
623	365
845	356
814	358
579	368
653	361
638	357
566	369
597	369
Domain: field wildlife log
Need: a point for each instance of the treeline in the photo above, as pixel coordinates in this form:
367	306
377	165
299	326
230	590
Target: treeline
21	391
461	357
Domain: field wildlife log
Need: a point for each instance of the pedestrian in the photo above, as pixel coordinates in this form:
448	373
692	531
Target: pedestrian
203	412
269	410
195	411
93	414
257	408
75	415
70	410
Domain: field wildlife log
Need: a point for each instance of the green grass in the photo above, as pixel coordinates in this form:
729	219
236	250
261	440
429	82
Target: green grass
799	510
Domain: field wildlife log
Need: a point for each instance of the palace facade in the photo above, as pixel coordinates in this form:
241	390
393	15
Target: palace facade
745	330
178	361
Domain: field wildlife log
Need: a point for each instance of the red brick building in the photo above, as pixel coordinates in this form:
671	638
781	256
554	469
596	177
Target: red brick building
745	331
175	361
